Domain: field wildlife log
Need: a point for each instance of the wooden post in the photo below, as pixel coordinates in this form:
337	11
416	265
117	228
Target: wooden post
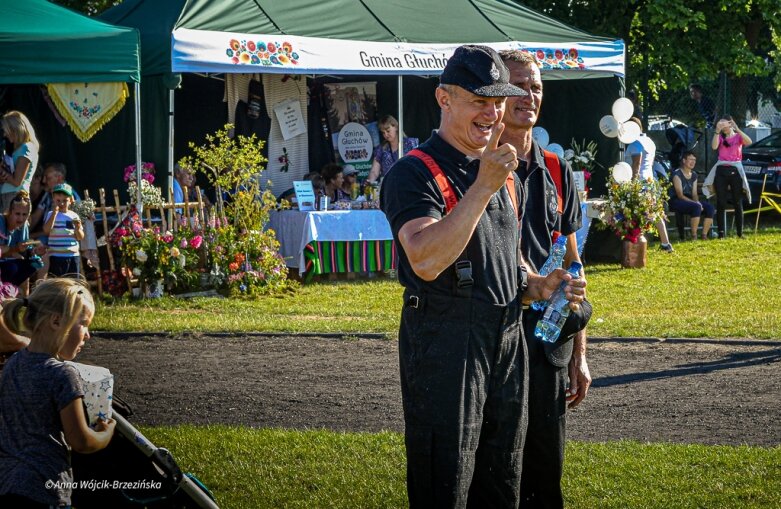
161	209
186	192
200	206
97	253
106	231
172	210
118	205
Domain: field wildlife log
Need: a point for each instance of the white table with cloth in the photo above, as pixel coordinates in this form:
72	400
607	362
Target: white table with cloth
334	241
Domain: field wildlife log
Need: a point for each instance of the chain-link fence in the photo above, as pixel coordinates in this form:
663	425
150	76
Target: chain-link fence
745	99
753	103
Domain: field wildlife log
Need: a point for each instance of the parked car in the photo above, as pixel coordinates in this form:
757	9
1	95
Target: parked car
760	159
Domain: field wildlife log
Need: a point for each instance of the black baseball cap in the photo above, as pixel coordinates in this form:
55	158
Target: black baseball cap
480	70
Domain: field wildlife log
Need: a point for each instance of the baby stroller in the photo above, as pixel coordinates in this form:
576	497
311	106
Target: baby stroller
133	473
681	138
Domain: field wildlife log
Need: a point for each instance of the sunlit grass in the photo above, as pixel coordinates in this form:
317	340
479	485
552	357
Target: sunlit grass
269	468
723	288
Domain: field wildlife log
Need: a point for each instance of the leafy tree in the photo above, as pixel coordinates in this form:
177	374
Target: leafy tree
671	43
234	165
88	7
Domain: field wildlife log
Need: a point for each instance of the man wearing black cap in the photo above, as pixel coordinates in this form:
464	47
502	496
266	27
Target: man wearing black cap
453	208
558	372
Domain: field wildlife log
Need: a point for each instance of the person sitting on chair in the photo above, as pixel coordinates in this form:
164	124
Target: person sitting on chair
334	179
350	179
685	200
16	250
184	178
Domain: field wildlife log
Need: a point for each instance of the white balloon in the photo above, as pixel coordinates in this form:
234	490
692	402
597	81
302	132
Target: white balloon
623	109
622	172
556	149
541	136
609	126
628	132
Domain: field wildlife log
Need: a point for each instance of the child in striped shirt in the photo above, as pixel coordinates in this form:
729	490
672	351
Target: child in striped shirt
64	229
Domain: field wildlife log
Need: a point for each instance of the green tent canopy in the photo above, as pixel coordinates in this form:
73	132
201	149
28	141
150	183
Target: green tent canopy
376	37
155	21
41	42
573	105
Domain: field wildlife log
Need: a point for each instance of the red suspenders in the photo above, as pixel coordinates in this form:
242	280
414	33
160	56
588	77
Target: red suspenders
554	168
448	193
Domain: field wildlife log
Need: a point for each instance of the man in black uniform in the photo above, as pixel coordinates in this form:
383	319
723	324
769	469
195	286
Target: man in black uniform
550	365
461	354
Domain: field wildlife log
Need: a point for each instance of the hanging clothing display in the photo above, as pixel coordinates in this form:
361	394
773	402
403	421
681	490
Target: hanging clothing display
321	150
251	116
288	160
237	89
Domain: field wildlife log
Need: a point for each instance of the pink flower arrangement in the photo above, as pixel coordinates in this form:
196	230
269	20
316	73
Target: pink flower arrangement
196	242
147	172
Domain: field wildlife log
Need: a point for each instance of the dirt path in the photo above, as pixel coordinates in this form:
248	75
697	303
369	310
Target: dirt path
711	392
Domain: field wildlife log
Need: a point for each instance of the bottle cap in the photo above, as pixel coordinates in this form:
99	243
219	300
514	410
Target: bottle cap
575	266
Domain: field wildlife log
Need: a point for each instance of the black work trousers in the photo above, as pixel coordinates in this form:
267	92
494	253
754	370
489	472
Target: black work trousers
543	453
464	389
729	186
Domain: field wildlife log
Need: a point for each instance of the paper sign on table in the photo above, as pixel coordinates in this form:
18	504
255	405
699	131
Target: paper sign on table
98	386
305	194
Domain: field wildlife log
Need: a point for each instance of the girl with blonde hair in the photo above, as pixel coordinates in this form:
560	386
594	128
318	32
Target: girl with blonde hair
41	409
19	131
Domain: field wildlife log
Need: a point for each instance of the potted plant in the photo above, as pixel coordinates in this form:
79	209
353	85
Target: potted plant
631	209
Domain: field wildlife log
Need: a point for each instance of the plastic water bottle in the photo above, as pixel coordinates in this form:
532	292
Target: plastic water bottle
554	261
549	326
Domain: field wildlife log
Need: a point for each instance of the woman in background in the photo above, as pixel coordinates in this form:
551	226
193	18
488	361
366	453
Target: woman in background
350	182
727	178
18	130
334	179
388	151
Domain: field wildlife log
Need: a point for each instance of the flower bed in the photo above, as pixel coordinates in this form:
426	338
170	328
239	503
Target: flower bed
231	252
214	257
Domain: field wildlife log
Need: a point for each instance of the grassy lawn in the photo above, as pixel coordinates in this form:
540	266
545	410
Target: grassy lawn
705	289
259	468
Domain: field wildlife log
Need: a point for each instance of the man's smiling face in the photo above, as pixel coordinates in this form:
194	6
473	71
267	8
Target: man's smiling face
473	118
522	112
